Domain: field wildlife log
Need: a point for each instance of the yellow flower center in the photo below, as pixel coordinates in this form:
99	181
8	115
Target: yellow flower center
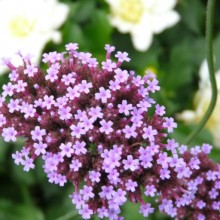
151	69
131	10
21	26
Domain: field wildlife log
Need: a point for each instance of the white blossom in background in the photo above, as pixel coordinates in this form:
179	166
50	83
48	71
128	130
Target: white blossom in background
142	19
201	102
27	25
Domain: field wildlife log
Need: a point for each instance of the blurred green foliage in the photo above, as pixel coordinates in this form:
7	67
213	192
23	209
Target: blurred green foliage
176	55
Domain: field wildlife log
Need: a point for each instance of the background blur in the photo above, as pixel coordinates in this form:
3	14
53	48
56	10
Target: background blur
174	50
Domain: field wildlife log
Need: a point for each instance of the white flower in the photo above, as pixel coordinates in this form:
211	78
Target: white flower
201	103
27	25
142	18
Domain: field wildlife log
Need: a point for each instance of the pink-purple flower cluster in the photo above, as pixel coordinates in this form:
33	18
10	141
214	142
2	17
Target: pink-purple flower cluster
98	127
204	185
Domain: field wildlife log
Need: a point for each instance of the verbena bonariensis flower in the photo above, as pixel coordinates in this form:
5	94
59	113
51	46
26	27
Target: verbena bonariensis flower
98	128
204	183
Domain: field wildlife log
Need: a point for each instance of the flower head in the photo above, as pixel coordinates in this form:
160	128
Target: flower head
100	139
204	187
142	19
201	101
25	23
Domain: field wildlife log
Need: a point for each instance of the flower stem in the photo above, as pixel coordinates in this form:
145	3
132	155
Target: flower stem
209	56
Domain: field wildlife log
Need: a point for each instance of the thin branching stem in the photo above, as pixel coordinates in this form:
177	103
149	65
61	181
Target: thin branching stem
209	56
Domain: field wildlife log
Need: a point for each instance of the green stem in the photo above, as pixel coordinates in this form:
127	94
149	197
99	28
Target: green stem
209	56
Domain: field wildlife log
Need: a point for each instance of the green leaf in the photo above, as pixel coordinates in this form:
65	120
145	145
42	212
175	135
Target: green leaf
193	15
72	32
59	204
140	61
70	215
3	152
182	131
185	59
131	211
3	79
215	154
19	175
180	70
13	211
84	10
98	32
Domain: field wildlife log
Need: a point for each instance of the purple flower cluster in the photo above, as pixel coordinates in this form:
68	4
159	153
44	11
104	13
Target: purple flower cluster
204	185
92	126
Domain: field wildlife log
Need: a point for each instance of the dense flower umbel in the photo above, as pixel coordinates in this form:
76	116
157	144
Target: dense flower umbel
91	125
204	183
